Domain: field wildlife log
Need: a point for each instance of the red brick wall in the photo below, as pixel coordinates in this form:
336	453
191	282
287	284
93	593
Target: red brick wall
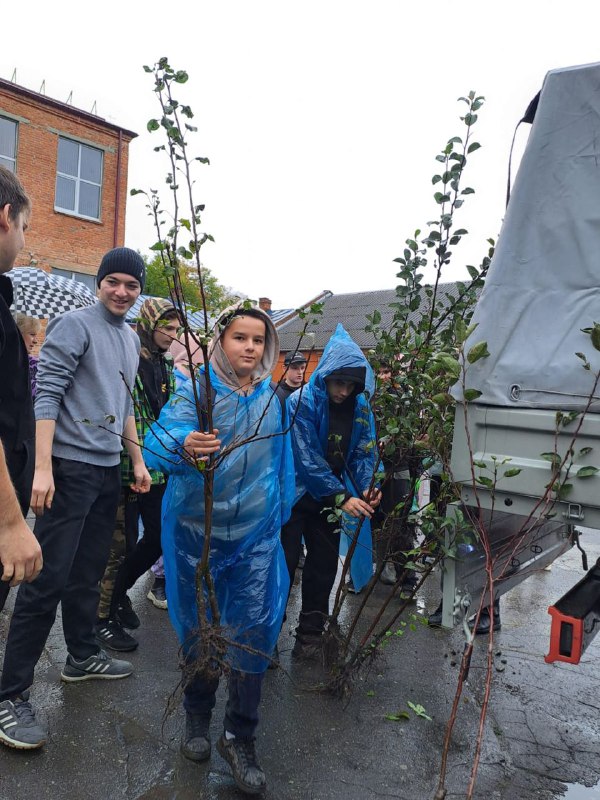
56	239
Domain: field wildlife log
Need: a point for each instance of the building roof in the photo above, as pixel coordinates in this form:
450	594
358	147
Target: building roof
351	310
291	314
65	108
280	315
195	318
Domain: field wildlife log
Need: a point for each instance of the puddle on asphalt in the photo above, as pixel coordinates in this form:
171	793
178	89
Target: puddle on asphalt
575	791
420	605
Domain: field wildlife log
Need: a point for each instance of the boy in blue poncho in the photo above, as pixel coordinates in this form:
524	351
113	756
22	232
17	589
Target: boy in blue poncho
253	494
333	437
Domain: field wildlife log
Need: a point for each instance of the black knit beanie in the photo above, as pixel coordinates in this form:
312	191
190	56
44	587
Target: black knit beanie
122	259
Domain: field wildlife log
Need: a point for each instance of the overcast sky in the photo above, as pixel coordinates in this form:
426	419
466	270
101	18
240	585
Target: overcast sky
321	119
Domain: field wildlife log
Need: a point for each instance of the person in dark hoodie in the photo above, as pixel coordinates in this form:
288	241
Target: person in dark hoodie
335	457
252	496
157	327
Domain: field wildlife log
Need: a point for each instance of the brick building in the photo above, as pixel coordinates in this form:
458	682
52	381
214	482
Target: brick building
73	164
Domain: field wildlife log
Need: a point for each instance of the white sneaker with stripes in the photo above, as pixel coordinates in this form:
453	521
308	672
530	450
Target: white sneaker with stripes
100	666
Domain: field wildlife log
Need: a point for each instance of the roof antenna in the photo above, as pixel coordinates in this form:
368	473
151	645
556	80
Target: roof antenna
70	98
43	87
94	109
14	76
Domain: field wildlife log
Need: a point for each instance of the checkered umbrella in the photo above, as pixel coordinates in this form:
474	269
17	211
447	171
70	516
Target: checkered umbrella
43	295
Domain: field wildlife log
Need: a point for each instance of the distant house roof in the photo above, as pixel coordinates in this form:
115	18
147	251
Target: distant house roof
351	310
290	315
195	318
280	315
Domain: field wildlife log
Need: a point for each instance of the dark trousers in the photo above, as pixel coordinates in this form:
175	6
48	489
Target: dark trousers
141	556
75	536
322	540
20	465
393	539
392	535
241	711
124	538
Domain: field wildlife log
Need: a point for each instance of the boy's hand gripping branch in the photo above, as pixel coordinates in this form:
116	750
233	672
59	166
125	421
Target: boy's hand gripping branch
202	445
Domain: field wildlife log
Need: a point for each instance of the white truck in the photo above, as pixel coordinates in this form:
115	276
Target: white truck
538	413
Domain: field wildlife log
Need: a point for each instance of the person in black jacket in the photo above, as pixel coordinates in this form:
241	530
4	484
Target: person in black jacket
295	367
20	553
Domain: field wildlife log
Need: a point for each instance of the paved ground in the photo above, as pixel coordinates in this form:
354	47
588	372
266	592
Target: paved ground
112	740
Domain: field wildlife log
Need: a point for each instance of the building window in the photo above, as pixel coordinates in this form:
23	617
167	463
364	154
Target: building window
78	179
8	143
82	277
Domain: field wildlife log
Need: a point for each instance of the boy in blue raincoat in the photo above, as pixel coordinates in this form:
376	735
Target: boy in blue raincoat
253	494
333	437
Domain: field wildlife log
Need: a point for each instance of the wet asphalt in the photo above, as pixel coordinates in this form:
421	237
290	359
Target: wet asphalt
116	739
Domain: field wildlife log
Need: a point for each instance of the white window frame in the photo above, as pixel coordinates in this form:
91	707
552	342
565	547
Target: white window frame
90	283
6	157
78	181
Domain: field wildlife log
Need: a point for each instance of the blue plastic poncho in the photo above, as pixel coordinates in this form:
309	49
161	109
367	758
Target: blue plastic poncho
253	495
309	410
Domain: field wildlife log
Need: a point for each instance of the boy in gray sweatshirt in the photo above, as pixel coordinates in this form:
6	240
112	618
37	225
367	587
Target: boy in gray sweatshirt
84	413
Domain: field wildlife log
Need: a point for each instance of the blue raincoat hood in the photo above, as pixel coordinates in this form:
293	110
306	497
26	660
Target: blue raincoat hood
309	411
342	352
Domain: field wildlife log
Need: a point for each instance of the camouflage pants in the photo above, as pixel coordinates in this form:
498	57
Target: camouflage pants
123	541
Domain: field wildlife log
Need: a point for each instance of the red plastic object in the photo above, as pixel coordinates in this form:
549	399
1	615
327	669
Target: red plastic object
566	638
575	619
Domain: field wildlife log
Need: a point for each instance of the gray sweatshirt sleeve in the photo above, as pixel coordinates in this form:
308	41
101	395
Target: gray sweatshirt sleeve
66	341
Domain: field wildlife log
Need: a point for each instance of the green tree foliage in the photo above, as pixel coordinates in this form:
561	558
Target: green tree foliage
422	349
217	295
418	356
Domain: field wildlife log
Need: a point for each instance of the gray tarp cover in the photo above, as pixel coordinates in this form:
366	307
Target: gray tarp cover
544	281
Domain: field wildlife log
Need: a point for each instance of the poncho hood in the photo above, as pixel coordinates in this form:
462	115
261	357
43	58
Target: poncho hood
151	311
221	364
340	355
